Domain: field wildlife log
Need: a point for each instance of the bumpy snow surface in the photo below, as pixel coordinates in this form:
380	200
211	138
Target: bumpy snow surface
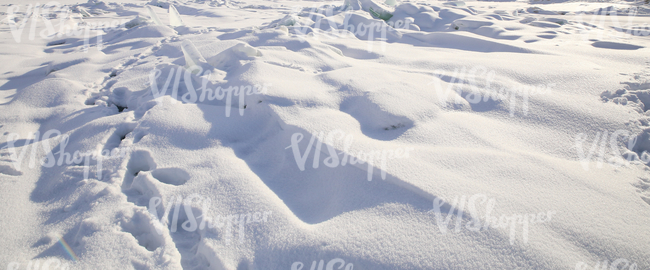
311	135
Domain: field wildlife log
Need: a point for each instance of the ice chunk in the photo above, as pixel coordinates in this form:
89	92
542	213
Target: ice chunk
174	17
231	56
153	16
195	63
246	50
376	9
390	2
135	22
84	12
193	57
377	29
381	14
289	20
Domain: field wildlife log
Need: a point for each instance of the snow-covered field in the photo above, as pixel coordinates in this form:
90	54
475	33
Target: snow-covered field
311	135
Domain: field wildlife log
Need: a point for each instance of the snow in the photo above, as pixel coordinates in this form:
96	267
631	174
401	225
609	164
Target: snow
255	134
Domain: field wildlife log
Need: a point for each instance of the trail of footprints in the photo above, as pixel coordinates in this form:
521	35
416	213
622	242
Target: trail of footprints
636	94
141	182
158	225
102	91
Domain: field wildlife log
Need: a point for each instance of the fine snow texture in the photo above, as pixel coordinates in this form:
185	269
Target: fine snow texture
325	135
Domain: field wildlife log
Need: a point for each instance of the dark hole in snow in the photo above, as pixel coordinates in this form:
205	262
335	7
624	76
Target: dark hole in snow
120	108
